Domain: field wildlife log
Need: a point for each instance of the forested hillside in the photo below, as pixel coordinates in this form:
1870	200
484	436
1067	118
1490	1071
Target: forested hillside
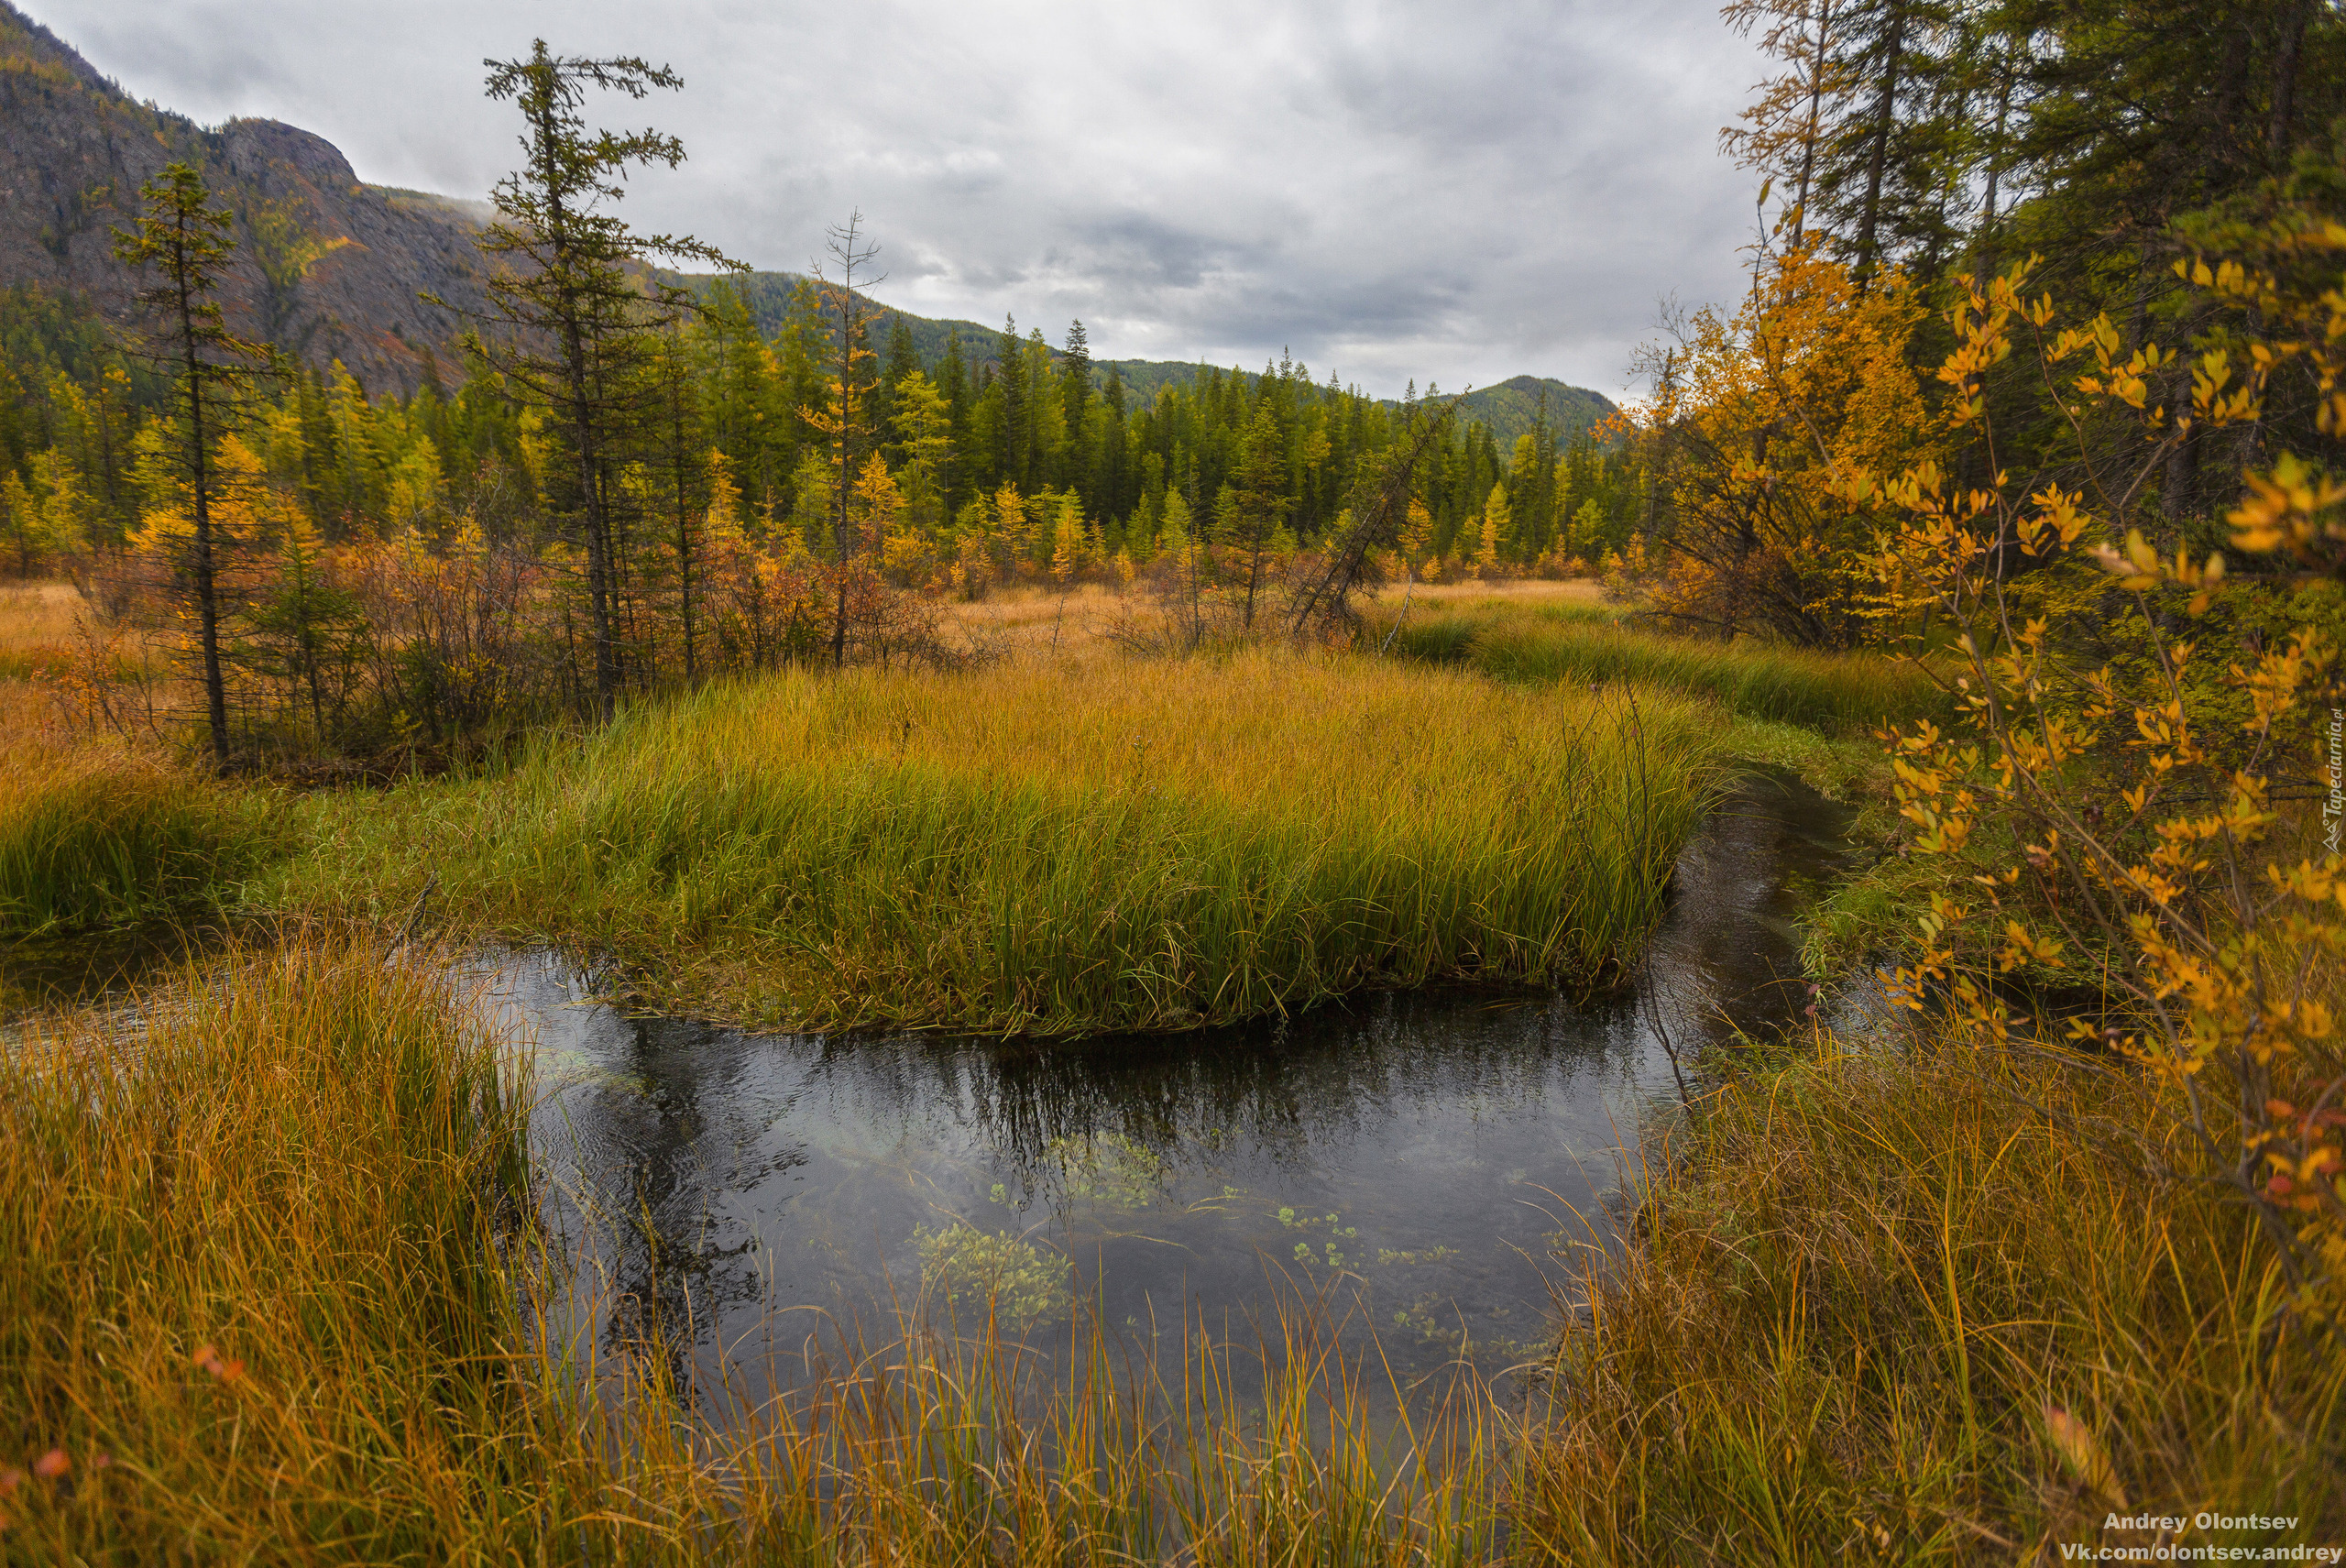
1507	410
766	432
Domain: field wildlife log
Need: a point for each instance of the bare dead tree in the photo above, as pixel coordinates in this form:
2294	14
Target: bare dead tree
1380	512
843	422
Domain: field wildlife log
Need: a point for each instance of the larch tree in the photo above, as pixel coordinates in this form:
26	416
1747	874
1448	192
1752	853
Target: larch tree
680	459
578	323
184	242
1255	500
846	418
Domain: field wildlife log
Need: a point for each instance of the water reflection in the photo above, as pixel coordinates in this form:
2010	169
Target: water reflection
1412	1161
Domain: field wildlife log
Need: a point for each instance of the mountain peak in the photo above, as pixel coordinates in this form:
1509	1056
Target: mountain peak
327	267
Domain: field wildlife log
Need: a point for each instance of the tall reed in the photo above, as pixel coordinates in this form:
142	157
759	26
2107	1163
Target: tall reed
249	1279
1146	845
261	1300
1932	1309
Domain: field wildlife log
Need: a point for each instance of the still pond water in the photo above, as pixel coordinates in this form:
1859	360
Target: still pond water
1418	1166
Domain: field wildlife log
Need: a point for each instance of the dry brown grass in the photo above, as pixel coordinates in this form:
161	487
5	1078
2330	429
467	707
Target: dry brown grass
1520	590
1027	621
35	632
66	679
35	616
1024	622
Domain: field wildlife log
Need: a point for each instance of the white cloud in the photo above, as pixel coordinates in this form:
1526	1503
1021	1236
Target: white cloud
1392	190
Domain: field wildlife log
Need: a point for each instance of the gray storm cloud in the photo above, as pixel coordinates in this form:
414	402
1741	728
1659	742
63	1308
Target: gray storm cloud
1454	193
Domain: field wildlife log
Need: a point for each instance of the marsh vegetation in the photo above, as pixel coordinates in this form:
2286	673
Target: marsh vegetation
1013	859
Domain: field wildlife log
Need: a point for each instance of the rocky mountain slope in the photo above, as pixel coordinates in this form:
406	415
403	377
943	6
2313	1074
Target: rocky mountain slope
331	269
327	266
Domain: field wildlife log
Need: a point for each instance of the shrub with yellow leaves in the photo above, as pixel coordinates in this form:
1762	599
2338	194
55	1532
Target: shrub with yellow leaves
2134	849
1756	419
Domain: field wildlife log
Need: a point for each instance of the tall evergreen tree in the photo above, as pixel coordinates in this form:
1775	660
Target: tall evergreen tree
953	381
579	320
183	241
1017	421
1117	499
1075	404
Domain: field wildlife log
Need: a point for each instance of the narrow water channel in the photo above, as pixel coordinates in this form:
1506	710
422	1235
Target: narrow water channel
1410	1165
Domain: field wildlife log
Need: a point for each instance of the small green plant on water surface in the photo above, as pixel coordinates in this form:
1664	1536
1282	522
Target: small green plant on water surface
1022	1285
1107	1170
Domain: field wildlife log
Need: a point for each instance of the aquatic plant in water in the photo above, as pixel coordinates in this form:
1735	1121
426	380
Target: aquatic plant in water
1022	1285
1107	1170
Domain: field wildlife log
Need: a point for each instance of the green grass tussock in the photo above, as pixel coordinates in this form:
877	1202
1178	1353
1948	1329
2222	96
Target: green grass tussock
1160	846
1847	693
92	837
1928	1309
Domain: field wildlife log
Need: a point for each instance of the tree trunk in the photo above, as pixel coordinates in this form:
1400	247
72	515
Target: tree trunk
683	529
1815	111
582	425
207	586
1986	265
2284	82
1878	161
846	458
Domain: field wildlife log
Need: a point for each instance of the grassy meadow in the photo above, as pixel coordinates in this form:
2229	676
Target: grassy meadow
1143	845
1523	639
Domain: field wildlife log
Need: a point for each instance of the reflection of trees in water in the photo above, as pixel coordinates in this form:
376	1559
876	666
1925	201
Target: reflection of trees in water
1317	1081
1727	957
668	1268
720	1111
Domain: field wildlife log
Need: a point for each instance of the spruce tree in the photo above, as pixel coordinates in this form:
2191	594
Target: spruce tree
953	380
1017	419
1075	403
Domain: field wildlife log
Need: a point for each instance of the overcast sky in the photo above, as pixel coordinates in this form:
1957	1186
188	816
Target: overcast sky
1460	192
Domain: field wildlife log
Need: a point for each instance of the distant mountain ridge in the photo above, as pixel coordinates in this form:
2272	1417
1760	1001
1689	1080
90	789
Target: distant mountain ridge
1507	410
327	266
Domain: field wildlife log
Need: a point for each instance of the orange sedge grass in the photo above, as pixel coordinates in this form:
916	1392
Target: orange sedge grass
1927	1305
